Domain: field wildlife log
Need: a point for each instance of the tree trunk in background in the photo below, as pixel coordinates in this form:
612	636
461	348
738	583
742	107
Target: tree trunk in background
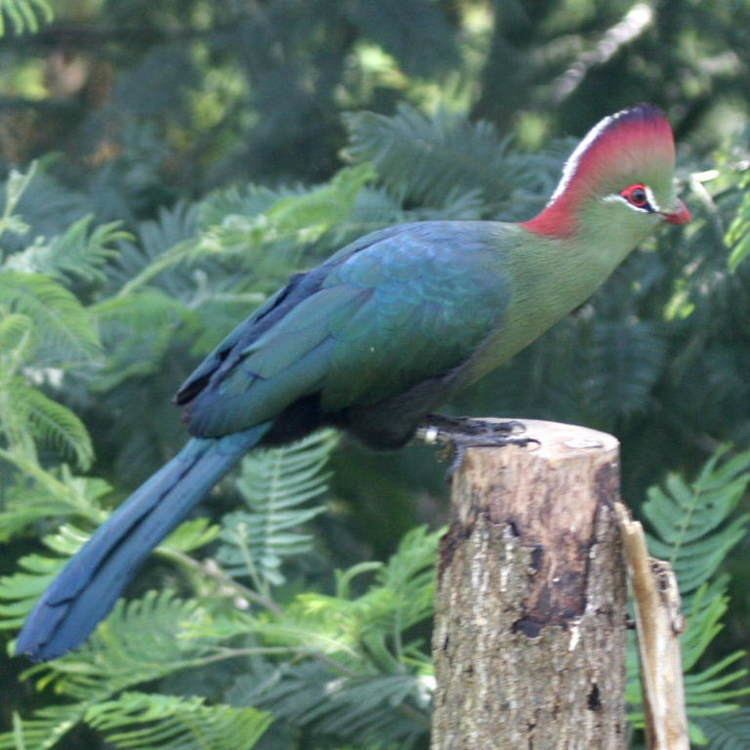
530	629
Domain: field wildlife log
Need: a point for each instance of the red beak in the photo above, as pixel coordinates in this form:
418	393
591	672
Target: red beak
681	216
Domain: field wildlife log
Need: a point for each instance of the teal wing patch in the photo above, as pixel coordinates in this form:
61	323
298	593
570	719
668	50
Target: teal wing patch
411	306
436	294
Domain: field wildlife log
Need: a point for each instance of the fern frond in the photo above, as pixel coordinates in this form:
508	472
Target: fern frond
20	591
140	259
192	535
240	200
15	186
136	331
626	361
738	234
400	597
16	336
728	732
24	15
371	711
692	520
371	687
38	494
144	721
266	230
445	153
44	730
79	252
62	325
50	422
34	573
140	641
696	526
275	485
136	644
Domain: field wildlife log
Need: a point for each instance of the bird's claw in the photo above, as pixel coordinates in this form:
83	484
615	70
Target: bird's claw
460	433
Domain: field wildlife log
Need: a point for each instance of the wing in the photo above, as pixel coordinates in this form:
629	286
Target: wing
369	324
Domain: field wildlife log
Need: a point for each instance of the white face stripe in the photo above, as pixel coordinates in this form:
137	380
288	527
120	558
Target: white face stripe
571	165
652	199
649	197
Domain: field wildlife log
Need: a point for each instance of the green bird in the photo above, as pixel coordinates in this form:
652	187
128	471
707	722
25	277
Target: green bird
375	339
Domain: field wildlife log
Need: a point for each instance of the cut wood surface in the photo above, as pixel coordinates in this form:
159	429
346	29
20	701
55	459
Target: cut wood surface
530	630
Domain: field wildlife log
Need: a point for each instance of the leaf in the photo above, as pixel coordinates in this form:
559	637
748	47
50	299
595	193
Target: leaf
136	332
692	521
372	686
62	325
192	535
627	359
43	731
16	335
144	721
728	732
275	484
136	644
446	154
24	15
140	641
78	253
255	219
50	421
738	234
140	259
15	187
696	525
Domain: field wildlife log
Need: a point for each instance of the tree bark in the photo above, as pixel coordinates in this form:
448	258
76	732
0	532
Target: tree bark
530	628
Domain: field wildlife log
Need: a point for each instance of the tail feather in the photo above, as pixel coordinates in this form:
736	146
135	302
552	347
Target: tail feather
93	580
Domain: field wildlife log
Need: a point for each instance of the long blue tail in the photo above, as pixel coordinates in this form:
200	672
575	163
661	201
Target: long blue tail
92	581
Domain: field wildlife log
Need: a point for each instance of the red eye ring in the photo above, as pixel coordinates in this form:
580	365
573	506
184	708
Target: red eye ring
637	196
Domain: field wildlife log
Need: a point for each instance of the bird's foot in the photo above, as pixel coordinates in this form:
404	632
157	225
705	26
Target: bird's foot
460	433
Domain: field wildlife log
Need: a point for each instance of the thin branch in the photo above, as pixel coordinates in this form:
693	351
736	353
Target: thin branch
212	570
659	622
632	25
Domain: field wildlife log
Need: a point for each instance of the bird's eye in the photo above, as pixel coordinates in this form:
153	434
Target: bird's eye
637	196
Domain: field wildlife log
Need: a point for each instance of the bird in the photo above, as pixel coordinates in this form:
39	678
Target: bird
374	340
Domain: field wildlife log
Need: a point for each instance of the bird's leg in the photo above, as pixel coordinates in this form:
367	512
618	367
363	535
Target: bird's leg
460	433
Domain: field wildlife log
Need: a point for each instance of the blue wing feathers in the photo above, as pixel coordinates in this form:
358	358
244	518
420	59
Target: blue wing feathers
342	328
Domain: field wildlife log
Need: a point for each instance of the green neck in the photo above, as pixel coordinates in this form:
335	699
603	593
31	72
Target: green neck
550	278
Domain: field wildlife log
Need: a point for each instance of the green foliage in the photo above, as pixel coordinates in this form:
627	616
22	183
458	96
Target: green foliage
683	516
137	644
28	409
367	682
449	159
696	526
738	234
62	327
277	487
728	732
24	15
142	721
76	253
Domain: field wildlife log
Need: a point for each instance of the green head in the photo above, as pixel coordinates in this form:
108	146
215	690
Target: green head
619	179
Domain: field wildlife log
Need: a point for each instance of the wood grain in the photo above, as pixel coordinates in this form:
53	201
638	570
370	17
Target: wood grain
529	638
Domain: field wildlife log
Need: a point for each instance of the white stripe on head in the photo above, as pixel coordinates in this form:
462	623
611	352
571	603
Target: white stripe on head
571	165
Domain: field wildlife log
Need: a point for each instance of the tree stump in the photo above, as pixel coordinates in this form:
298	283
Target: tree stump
530	627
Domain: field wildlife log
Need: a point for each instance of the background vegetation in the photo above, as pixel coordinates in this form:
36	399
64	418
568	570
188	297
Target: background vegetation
167	165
